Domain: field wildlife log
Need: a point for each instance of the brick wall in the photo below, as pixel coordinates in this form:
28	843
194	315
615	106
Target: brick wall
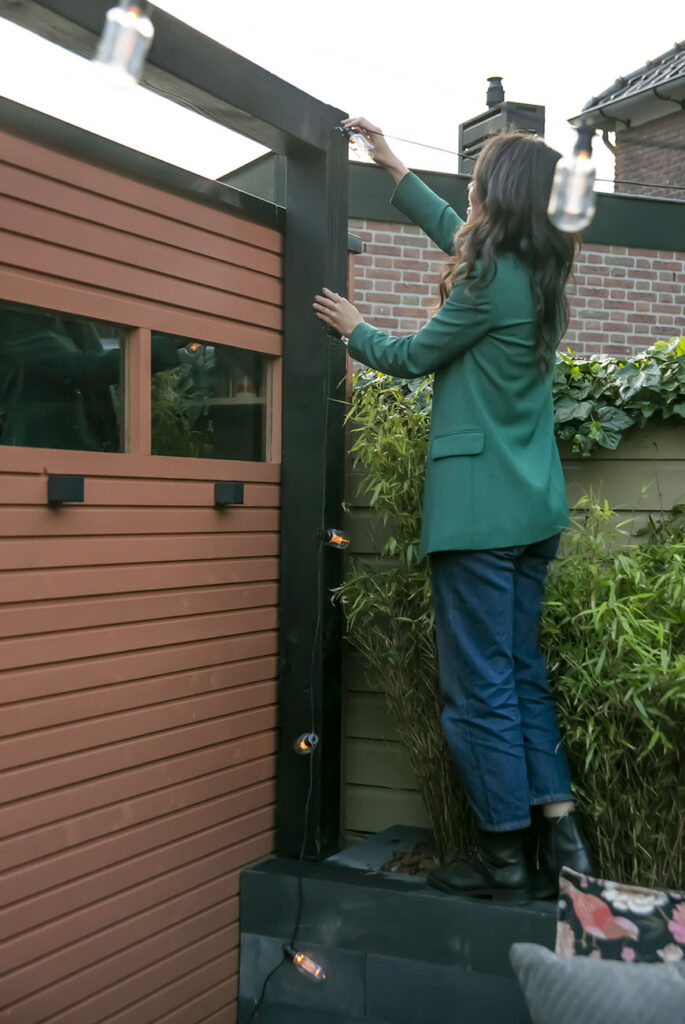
652	153
622	299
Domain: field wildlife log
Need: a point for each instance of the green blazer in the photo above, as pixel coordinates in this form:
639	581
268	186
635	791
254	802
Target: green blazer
493	473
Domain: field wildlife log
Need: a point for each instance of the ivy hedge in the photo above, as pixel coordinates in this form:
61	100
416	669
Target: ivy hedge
596	401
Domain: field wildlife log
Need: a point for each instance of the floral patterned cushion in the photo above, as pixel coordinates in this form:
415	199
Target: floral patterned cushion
608	921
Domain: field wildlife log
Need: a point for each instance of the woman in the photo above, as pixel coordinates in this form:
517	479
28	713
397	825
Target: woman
495	499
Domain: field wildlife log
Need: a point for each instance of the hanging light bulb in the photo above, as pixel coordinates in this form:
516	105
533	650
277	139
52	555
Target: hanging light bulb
572	200
306	965
336	539
359	144
125	42
307	743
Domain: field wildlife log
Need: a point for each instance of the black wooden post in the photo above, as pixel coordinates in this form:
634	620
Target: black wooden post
313	458
200	73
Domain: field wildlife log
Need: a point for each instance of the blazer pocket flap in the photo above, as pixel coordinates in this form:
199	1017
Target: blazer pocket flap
465	442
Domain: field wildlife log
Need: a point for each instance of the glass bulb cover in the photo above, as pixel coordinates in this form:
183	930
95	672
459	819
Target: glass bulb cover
124	45
309	967
360	145
572	202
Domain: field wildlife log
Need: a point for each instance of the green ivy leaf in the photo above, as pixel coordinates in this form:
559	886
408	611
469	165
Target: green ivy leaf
614	419
568	408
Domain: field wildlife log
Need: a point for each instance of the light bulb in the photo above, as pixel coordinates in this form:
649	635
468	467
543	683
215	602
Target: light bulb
124	44
359	143
336	539
572	200
307	743
362	146
308	967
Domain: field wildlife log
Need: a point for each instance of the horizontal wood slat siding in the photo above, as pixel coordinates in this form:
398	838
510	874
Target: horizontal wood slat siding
138	631
644	476
85	233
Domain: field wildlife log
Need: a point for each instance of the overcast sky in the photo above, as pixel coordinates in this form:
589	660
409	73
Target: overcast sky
417	69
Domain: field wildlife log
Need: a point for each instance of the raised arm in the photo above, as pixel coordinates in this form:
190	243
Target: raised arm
418	202
433	215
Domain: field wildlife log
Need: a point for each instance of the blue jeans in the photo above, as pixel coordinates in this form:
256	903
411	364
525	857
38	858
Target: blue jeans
499	717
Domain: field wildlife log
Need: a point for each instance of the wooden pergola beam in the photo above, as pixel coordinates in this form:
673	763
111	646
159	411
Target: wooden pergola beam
193	70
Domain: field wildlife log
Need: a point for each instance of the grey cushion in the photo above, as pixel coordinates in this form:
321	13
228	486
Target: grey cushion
582	990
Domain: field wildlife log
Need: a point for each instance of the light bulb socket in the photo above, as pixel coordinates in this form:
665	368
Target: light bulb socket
139	5
584	138
336	539
306	743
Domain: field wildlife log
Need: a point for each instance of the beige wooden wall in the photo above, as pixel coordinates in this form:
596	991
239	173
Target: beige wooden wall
645	475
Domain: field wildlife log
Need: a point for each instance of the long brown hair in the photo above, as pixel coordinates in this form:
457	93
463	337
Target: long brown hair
513	179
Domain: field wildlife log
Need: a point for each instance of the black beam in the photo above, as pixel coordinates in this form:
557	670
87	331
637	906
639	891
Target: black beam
193	70
313	460
645	222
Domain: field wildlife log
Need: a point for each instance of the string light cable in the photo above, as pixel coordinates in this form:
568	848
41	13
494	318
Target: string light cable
470	156
290	952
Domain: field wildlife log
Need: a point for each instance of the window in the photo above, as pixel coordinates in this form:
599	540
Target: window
60	380
212	404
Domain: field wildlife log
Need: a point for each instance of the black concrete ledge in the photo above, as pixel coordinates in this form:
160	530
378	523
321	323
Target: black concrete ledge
394	950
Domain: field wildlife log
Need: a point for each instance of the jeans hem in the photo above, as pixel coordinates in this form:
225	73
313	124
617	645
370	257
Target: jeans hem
507	826
553	798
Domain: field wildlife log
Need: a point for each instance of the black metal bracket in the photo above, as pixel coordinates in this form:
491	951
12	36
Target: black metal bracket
62	489
228	492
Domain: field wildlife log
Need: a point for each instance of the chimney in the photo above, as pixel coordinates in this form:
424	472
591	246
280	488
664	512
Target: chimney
495	94
500	116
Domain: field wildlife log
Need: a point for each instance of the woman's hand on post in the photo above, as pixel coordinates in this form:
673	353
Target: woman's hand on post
382	155
337	312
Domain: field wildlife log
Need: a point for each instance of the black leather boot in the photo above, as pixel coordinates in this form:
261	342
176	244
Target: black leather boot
495	870
561	843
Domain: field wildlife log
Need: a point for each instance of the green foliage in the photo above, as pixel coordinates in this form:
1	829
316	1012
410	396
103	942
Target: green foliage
596	401
614	636
387	603
613	632
392	421
179	426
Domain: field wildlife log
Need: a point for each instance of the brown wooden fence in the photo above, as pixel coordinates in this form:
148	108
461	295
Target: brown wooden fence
138	631
645	475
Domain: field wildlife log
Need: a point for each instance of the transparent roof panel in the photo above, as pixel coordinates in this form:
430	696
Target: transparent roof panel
55	81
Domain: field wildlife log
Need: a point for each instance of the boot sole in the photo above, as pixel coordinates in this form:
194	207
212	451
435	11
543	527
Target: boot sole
512	897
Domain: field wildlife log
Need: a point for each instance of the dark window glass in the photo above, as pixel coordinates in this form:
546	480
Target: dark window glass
212	404
60	380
